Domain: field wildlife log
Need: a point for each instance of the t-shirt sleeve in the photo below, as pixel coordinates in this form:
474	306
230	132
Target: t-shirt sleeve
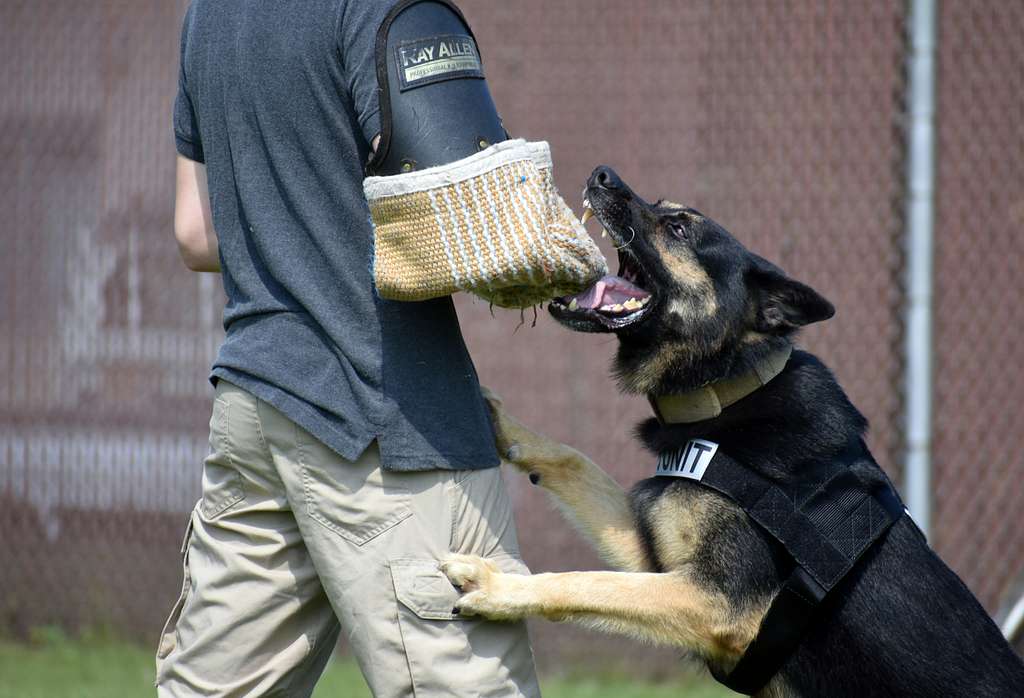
186	125
357	39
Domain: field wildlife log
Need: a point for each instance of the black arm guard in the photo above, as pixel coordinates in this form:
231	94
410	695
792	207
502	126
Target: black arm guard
435	106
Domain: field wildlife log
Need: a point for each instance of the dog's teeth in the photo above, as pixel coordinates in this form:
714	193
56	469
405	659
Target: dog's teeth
573	305
588	213
645	300
617	308
604	233
632	304
607	307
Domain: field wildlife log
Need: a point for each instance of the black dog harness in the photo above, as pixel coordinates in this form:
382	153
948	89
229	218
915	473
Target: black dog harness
825	525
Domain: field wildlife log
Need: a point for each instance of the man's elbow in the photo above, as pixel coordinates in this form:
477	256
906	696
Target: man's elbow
196	262
197	251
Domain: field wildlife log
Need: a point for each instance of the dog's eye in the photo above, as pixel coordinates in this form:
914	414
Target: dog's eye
679	229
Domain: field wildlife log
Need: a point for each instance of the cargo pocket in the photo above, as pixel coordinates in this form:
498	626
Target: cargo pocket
422	587
169	634
357	500
435	639
444	652
222	481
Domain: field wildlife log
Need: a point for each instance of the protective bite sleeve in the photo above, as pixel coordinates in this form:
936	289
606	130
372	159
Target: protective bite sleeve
492	224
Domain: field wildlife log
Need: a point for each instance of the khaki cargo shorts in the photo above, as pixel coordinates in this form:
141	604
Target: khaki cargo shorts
291	544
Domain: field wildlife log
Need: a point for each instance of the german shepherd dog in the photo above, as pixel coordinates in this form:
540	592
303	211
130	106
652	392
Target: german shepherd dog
691	307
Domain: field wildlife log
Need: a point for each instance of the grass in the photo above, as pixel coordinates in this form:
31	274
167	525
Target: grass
53	666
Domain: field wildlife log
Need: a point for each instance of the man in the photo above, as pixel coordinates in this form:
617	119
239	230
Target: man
351	449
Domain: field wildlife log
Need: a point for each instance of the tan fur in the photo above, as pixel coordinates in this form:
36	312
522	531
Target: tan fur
669	204
686	308
691	274
687	272
676	521
645	378
668	609
593	500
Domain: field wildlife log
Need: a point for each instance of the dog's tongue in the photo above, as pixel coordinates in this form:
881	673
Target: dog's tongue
609	290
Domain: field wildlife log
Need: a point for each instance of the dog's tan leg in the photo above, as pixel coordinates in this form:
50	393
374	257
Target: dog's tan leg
592	500
668	609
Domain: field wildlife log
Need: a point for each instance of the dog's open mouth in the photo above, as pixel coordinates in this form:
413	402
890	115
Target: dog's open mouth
613	301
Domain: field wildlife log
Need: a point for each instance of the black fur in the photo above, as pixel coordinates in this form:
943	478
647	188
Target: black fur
902	623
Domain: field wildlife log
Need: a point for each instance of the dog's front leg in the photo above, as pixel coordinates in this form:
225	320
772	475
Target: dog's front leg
594	502
665	608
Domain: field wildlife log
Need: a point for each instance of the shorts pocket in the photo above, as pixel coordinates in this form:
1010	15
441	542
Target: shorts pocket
435	640
356	500
169	634
222	481
453	655
422	587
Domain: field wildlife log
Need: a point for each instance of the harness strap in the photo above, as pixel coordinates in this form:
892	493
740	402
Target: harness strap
783	627
791	613
825	527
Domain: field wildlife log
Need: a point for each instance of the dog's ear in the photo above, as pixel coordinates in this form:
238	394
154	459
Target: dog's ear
781	303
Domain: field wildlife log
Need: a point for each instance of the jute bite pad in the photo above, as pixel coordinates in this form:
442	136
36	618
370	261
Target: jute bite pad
491	224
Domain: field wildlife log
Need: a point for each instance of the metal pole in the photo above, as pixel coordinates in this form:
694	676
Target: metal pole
1014	621
919	248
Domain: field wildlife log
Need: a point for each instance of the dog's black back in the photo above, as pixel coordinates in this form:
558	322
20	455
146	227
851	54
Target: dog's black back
902	623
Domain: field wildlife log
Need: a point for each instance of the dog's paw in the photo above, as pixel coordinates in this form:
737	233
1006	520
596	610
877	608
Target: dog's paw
468	572
486	591
527	450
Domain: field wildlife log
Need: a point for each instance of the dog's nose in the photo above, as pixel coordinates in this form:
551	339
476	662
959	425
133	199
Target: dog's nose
605	178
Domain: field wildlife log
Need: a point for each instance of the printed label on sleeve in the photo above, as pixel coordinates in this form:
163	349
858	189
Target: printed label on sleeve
437	58
690	461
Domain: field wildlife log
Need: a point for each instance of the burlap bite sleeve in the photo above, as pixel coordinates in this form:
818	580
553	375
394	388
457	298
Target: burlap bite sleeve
492	224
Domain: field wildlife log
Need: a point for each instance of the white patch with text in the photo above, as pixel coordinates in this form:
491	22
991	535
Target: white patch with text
690	461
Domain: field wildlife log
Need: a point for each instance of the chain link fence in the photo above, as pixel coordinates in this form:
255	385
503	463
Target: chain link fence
784	121
979	319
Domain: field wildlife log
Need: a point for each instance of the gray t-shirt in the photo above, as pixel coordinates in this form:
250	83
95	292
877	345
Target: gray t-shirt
280	102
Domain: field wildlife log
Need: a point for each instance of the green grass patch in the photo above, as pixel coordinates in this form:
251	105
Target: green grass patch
52	665
591	686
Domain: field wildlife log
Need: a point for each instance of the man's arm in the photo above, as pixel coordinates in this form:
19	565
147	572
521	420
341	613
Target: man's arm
193	223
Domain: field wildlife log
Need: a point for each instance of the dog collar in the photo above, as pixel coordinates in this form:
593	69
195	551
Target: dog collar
708	401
